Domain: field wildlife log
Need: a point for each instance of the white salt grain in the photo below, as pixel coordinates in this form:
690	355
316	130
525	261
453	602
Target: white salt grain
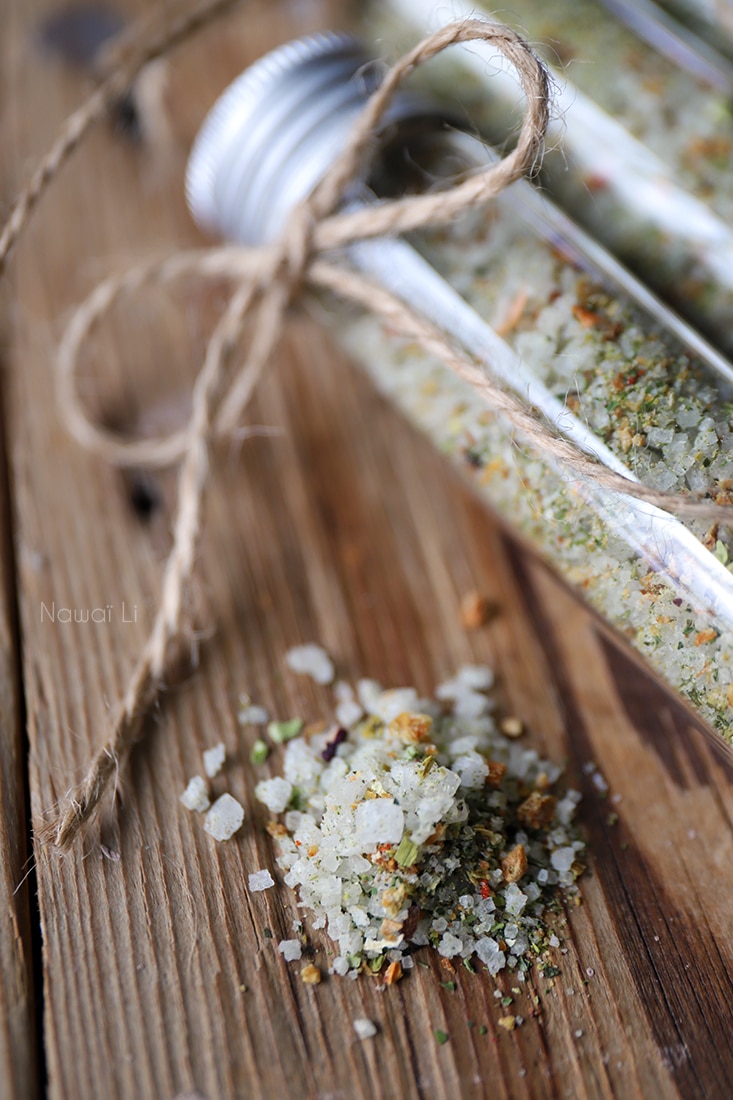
449	946
477	677
214	759
563	859
262	880
254	716
348	713
275	793
365	1029
224	818
344	692
379	821
291	950
311	660
196	795
368	692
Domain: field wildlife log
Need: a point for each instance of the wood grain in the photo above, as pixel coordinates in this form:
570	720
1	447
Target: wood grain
159	975
19	1068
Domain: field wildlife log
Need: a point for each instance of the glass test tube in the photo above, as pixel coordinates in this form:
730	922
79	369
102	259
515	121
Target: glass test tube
663	412
640	153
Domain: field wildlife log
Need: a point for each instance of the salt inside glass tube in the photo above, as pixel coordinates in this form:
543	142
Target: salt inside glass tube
641	150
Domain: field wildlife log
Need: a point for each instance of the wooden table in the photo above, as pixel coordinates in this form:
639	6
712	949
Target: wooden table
139	965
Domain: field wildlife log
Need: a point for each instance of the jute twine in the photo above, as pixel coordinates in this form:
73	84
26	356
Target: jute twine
266	281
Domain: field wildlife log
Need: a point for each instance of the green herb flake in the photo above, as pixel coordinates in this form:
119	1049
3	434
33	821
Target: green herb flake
259	751
721	552
506	1001
483	1029
450	986
425	766
441	1036
469	966
280	732
406	853
267	933
550	971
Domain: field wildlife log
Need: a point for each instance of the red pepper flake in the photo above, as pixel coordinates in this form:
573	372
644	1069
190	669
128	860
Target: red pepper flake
485	888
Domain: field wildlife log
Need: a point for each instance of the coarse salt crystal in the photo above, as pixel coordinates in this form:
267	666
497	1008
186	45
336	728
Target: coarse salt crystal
224	818
365	1029
311	660
368	692
472	769
563	859
254	716
490	953
478	677
514	900
275	793
470	704
262	880
289	949
196	795
214	759
394	702
344	692
348	713
379	821
449	946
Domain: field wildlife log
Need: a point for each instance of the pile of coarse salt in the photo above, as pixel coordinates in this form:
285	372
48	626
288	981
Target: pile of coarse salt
417	821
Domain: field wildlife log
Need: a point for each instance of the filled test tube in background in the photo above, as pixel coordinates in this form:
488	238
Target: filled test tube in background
640	153
666	585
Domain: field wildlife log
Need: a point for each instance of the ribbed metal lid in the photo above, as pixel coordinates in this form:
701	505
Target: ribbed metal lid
276	130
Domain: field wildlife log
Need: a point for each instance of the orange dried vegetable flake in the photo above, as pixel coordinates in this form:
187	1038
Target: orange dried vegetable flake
496	773
411	728
705	636
393	899
537	811
514	864
514	313
391	929
393	973
507	1022
311	975
587	317
476	610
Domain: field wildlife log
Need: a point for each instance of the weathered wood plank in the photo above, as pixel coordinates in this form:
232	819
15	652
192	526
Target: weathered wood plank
350	530
19	1067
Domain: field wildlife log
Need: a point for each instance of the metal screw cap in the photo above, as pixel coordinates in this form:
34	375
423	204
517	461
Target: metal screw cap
274	132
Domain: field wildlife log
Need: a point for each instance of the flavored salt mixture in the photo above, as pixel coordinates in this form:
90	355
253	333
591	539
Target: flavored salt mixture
640	152
425	821
661	411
